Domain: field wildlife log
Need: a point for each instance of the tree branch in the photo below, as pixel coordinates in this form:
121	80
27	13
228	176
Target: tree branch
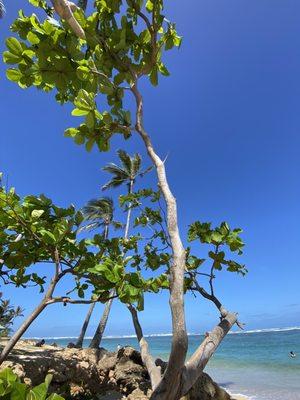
153	370
66	300
196	364
64	9
170	383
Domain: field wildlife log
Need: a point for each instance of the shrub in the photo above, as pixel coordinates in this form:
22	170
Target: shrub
11	388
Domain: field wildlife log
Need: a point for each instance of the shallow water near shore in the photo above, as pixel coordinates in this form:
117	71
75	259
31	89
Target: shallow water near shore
255	364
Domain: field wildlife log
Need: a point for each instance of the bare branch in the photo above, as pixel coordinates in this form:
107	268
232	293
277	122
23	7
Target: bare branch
153	370
196	364
65	300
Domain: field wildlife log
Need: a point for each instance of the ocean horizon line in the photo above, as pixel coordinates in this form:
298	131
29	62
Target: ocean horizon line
266	330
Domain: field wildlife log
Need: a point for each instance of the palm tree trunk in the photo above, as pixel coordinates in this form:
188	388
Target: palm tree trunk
90	311
84	326
95	342
129	211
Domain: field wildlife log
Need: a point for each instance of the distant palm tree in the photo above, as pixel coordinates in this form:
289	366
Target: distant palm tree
99	214
127	173
2	9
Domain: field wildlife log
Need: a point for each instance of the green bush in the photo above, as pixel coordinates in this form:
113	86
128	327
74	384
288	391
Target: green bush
11	388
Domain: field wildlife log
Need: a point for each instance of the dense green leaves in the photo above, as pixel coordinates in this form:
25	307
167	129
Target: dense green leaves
220	237
48	55
11	388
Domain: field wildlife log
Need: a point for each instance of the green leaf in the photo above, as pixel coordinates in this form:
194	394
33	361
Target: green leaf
154	76
89	144
33	38
55	396
18	392
37	213
90	120
85	100
14	75
7	375
48	236
10	58
14	46
79	112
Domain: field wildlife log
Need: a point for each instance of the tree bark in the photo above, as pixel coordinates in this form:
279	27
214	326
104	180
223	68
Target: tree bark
153	370
95	342
36	312
85	325
170	385
64	9
130	191
196	364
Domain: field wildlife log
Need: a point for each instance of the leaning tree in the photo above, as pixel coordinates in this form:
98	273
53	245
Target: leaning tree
106	54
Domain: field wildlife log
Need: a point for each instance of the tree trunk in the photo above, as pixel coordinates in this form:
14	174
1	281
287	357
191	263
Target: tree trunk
36	312
22	329
92	306
95	342
85	325
170	385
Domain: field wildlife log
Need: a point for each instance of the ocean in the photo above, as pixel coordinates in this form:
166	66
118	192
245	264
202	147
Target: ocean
254	363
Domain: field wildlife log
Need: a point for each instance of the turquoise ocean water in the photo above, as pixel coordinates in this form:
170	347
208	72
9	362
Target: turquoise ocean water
256	364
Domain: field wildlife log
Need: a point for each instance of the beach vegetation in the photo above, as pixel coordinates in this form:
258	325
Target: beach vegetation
11	388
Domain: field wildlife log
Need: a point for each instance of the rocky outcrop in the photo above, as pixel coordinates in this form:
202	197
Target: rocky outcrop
80	373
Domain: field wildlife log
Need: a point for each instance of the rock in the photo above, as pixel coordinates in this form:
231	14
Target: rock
78	372
206	389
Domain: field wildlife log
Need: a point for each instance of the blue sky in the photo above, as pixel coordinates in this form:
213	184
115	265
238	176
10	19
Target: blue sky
229	119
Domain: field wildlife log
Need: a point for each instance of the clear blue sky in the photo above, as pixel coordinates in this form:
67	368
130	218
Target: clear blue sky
228	117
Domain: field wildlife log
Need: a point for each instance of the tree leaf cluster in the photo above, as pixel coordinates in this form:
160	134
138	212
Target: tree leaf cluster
11	388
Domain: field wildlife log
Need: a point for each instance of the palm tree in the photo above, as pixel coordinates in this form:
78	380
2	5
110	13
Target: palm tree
127	173
2	9
99	214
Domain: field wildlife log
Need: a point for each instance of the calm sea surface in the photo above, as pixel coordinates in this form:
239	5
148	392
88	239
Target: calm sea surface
255	364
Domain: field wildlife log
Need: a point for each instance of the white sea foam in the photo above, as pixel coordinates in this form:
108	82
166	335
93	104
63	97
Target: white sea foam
294	328
267	330
240	396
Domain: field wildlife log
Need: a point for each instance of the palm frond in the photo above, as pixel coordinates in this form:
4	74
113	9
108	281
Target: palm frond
116	171
2	9
99	211
90	227
136	162
141	174
125	160
113	183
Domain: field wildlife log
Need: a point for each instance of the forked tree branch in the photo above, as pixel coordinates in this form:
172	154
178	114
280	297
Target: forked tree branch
153	370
